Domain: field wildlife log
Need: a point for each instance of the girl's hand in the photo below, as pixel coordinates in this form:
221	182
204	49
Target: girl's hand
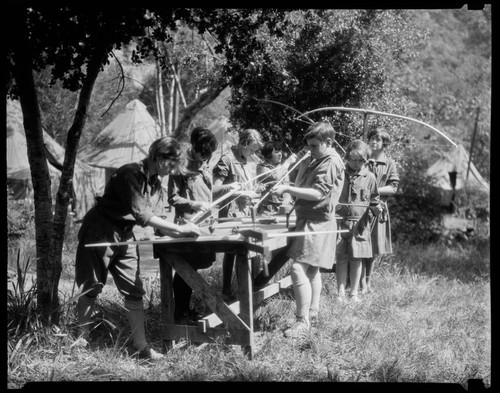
377	209
235	186
201	206
290	161
304	151
279	189
189	229
248	194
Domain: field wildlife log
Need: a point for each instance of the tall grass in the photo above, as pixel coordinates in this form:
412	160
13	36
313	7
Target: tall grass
428	320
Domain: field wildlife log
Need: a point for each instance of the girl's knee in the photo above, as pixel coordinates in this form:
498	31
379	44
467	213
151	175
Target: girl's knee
298	273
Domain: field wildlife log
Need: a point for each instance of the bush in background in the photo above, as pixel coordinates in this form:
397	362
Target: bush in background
416	214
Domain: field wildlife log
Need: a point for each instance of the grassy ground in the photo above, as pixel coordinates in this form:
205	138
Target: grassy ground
428	320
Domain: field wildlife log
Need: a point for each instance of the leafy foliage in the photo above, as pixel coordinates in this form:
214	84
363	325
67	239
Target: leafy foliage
19	217
451	77
415	211
325	58
474	203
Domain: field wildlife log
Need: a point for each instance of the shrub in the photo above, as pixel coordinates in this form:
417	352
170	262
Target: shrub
416	214
19	218
474	203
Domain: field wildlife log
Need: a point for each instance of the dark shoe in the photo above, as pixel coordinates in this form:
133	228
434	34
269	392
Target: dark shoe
194	315
229	297
149	354
190	317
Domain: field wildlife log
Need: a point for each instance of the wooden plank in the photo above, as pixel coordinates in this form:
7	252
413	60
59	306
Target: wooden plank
213	320
264	293
166	297
285	282
278	260
243	268
259	296
210	297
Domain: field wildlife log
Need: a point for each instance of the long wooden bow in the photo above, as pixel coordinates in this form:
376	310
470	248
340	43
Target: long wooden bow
301	114
366	112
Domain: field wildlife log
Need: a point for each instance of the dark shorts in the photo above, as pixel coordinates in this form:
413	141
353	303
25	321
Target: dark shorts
92	264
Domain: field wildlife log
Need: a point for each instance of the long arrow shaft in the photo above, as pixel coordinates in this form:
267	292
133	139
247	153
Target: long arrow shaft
281	179
206	214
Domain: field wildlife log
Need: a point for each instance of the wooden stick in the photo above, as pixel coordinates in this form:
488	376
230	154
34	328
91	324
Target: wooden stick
207	213
239	236
282	178
200	214
352	204
295	234
168	239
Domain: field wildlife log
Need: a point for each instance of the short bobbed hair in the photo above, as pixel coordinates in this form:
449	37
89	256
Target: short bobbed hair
359	147
268	148
321	130
382	133
165	148
203	141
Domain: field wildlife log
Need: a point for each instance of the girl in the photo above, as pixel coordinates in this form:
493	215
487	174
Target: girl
387	176
318	183
232	172
359	197
189	193
271	152
131	197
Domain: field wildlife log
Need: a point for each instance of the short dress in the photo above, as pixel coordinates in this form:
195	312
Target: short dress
386	173
326	175
360	188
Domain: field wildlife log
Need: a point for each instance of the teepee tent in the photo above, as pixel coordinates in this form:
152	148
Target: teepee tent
452	168
18	167
87	180
124	140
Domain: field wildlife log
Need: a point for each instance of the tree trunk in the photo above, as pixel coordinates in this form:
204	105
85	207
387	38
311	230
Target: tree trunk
48	271
170	126
160	102
65	185
49	227
181	131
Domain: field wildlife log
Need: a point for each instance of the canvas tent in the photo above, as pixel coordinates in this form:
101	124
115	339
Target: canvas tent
87	180
453	167
124	140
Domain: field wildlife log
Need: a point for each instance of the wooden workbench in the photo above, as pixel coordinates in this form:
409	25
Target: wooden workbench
260	251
